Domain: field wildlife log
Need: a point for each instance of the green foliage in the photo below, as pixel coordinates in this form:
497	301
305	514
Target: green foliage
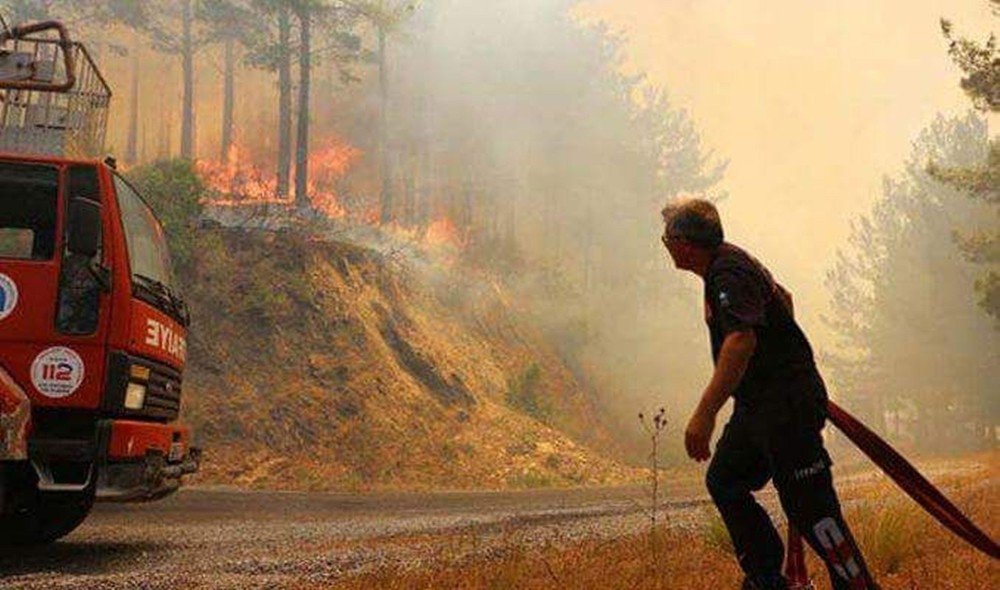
175	192
980	181
229	19
256	25
100	12
889	532
981	65
525	395
388	15
532	479
164	26
715	533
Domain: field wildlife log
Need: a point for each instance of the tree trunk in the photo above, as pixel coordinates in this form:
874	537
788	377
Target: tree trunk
302	132
165	144
385	159
228	99
132	143
284	100
187	58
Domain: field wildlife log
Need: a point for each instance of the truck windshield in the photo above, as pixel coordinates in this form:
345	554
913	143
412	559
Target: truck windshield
147	245
28	197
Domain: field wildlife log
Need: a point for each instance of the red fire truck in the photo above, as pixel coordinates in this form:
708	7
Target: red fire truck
92	329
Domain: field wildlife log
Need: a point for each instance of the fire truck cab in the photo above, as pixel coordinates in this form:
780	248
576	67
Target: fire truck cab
92	328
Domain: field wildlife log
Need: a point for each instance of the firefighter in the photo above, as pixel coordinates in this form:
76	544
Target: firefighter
764	361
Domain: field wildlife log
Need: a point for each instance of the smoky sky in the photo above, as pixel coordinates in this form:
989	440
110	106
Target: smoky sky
812	103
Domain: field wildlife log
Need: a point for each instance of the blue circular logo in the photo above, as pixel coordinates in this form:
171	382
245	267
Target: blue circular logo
8	296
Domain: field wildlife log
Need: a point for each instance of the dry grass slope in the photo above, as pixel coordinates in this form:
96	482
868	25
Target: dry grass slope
326	366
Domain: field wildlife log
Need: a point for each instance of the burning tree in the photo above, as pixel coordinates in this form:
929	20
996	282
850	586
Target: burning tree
266	30
238	181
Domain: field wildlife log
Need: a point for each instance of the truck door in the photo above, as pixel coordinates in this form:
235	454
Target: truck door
53	309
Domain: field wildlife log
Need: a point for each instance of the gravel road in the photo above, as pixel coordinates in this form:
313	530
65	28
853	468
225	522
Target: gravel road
217	538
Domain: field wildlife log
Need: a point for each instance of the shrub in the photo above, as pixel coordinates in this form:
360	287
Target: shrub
889	533
175	191
714	532
525	395
532	479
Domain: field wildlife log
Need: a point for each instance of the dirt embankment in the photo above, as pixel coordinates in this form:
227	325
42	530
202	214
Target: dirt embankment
323	365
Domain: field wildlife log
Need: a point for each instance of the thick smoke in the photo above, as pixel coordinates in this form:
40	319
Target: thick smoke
523	113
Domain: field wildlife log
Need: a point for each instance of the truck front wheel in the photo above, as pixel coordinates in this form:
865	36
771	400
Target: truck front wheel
29	516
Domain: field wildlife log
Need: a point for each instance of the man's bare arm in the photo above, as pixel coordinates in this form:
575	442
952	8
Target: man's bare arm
734	357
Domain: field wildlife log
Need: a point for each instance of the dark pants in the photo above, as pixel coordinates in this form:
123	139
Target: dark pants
781	442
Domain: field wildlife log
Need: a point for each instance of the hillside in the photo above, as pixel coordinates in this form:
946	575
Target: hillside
322	365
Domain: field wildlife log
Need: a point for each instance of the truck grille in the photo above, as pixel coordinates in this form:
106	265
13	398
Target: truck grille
163	395
163	389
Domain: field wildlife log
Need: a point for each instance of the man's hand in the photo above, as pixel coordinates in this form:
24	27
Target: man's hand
698	435
736	351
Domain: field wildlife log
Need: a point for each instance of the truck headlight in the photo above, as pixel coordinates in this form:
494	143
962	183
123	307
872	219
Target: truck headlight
135	396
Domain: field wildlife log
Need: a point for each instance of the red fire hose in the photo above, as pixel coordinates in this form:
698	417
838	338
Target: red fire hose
909	480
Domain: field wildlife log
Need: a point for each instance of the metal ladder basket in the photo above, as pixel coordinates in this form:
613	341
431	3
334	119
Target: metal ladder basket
53	99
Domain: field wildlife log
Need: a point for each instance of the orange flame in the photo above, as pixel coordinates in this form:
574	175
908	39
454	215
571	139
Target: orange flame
241	181
443	232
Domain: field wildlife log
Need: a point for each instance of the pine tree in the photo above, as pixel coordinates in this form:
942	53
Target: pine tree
980	62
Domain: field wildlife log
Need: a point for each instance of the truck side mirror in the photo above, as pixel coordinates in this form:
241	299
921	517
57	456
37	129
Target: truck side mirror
84	235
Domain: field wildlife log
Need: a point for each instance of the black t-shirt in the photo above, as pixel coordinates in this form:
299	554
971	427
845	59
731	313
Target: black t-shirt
740	293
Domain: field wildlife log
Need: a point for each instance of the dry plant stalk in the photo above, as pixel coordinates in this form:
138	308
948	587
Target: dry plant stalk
654	428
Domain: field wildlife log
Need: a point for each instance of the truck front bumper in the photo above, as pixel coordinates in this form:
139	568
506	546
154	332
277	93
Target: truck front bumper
143	480
144	461
124	461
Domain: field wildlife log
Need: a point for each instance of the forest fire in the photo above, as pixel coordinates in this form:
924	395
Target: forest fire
330	163
240	181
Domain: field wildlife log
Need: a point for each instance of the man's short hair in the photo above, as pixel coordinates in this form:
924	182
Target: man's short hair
694	220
